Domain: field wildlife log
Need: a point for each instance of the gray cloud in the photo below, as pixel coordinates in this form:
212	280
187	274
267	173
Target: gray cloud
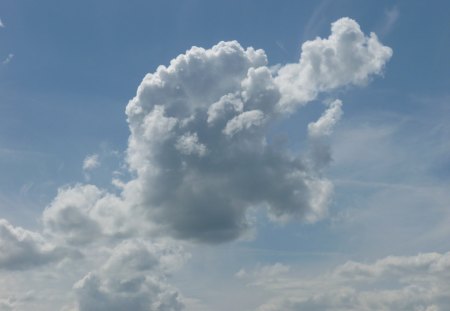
82	214
133	278
22	249
199	149
199	128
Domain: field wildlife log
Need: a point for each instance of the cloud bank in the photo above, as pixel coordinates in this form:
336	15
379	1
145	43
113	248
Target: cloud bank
419	282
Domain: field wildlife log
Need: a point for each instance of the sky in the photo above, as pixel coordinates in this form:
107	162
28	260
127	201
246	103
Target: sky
224	155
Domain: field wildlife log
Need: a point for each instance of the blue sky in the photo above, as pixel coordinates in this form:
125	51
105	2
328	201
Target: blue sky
68	70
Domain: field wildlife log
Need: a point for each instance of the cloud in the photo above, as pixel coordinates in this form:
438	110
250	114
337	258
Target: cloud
133	278
22	249
346	57
264	273
390	18
199	128
90	162
14	302
318	133
325	124
1	24
8	59
419	282
82	214
317	20
200	158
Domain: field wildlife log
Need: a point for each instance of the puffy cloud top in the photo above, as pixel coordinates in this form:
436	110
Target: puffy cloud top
346	57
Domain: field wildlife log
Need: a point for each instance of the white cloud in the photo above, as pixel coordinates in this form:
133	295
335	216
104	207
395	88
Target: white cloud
8	59
133	278
81	214
346	57
1	24
188	144
22	249
390	18
418	282
90	162
218	104
244	121
264	273
325	124
319	147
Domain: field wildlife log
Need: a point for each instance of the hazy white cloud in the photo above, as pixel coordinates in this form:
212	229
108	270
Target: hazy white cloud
389	19
1	24
90	162
8	59
264	273
418	282
16	302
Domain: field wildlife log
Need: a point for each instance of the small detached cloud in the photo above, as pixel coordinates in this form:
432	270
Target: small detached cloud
8	59
91	162
1	24
264	273
389	20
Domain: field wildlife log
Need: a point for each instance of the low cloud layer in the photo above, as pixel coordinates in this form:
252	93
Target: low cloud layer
418	282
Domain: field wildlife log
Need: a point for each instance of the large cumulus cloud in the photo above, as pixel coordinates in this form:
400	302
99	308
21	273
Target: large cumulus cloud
199	129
